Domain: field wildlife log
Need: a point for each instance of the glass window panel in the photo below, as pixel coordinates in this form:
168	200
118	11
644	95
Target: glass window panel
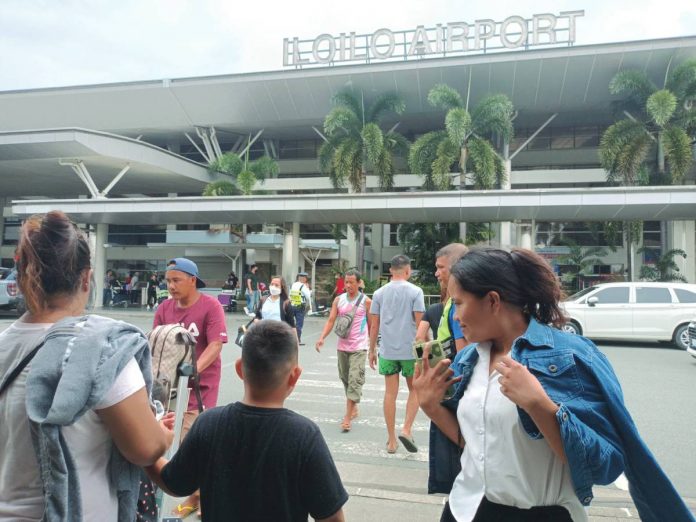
653	295
685	296
616	295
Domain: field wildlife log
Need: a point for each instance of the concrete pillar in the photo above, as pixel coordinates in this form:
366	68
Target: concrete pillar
291	251
377	240
99	239
351	254
682	234
505	227
3	202
525	234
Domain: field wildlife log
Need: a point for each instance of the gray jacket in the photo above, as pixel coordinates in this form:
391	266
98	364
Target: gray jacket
71	373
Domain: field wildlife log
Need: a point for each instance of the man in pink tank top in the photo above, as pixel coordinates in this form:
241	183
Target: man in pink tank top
352	350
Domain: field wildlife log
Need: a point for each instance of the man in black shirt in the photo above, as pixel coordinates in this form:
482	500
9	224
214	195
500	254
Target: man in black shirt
254	460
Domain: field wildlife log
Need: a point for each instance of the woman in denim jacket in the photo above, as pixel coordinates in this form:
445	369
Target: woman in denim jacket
537	416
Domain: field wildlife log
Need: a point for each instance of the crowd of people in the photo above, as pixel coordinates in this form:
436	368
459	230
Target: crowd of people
526	418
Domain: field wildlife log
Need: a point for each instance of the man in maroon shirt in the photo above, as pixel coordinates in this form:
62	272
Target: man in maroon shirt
203	316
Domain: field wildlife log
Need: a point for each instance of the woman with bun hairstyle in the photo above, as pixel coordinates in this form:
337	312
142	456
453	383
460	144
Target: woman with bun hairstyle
537	417
75	416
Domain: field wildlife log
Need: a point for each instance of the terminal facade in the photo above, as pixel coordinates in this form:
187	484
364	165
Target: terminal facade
154	140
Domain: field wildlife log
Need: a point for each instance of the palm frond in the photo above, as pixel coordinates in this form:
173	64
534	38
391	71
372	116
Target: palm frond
397	144
384	169
678	152
325	154
347	162
494	115
445	97
386	102
446	156
634	86
372	141
246	181
483	165
422	155
264	167
682	79
623	149
458	125
221	188
347	98
229	163
341	120
660	106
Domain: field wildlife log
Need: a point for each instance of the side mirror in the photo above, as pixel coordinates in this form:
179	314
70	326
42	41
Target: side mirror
592	301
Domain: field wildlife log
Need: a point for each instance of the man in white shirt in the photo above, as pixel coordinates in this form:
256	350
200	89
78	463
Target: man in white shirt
301	301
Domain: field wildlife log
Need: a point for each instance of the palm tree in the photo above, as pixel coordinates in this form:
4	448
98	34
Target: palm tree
665	268
245	173
580	259
653	145
357	145
464	142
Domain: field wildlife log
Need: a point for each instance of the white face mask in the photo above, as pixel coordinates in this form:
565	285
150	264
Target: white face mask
274	290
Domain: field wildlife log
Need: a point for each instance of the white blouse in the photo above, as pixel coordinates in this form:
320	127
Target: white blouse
499	460
271	309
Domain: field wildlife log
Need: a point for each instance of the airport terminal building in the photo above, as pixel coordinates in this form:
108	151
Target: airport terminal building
129	160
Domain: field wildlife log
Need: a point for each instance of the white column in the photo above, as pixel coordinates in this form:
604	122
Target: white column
525	235
682	234
291	251
99	259
351	255
377	240
505	227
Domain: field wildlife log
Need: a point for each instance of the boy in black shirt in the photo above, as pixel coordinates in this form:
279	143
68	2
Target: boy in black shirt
255	460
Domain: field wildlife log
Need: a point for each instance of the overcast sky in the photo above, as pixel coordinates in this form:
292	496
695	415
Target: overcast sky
46	43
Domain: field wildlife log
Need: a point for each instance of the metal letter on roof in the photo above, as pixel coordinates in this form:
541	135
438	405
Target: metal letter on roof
375	45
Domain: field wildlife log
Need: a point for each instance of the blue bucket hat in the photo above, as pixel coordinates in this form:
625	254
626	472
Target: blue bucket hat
187	266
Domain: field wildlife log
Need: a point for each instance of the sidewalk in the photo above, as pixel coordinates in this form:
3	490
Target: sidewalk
398	494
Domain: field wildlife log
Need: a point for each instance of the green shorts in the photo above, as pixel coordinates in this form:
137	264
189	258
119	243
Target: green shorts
390	367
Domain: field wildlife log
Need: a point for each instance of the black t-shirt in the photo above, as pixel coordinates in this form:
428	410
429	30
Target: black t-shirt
255	465
433	315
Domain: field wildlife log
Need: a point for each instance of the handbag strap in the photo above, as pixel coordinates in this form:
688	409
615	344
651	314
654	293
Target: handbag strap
18	369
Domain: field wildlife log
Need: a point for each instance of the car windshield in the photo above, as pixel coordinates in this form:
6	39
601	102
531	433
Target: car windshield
4	272
581	293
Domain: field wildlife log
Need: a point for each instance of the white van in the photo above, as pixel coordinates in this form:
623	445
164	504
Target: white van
633	312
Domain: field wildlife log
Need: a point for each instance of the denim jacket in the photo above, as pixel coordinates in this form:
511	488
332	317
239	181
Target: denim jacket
599	437
78	363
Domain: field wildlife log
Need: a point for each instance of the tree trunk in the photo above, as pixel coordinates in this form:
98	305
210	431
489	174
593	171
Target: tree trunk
629	251
661	173
462	186
361	238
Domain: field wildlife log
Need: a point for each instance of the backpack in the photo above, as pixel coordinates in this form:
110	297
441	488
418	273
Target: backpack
173	353
345	321
297	299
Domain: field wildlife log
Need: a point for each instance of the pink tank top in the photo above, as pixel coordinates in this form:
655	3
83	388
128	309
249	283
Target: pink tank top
358	338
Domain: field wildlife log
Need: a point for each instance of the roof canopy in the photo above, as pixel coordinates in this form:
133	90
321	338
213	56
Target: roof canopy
597	204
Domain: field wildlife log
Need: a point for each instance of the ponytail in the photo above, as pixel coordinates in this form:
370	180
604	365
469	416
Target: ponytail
521	278
52	255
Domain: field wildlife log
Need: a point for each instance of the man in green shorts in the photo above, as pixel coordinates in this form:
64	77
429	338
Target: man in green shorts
396	310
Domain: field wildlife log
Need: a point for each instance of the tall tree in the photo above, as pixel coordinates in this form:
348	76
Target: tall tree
464	144
356	145
420	241
579	259
653	144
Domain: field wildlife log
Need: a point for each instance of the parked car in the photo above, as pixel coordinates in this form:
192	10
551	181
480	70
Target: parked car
10	296
691	348
633	312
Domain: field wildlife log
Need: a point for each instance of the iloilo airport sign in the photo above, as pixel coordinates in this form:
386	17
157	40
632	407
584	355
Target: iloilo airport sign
514	32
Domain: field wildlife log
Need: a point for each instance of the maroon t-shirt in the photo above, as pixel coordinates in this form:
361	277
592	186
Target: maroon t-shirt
205	319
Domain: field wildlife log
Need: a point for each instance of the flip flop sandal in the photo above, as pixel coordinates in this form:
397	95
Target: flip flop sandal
184	511
408	443
345	426
391	451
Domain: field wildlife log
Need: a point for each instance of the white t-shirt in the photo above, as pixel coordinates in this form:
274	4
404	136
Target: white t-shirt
499	459
89	442
271	309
